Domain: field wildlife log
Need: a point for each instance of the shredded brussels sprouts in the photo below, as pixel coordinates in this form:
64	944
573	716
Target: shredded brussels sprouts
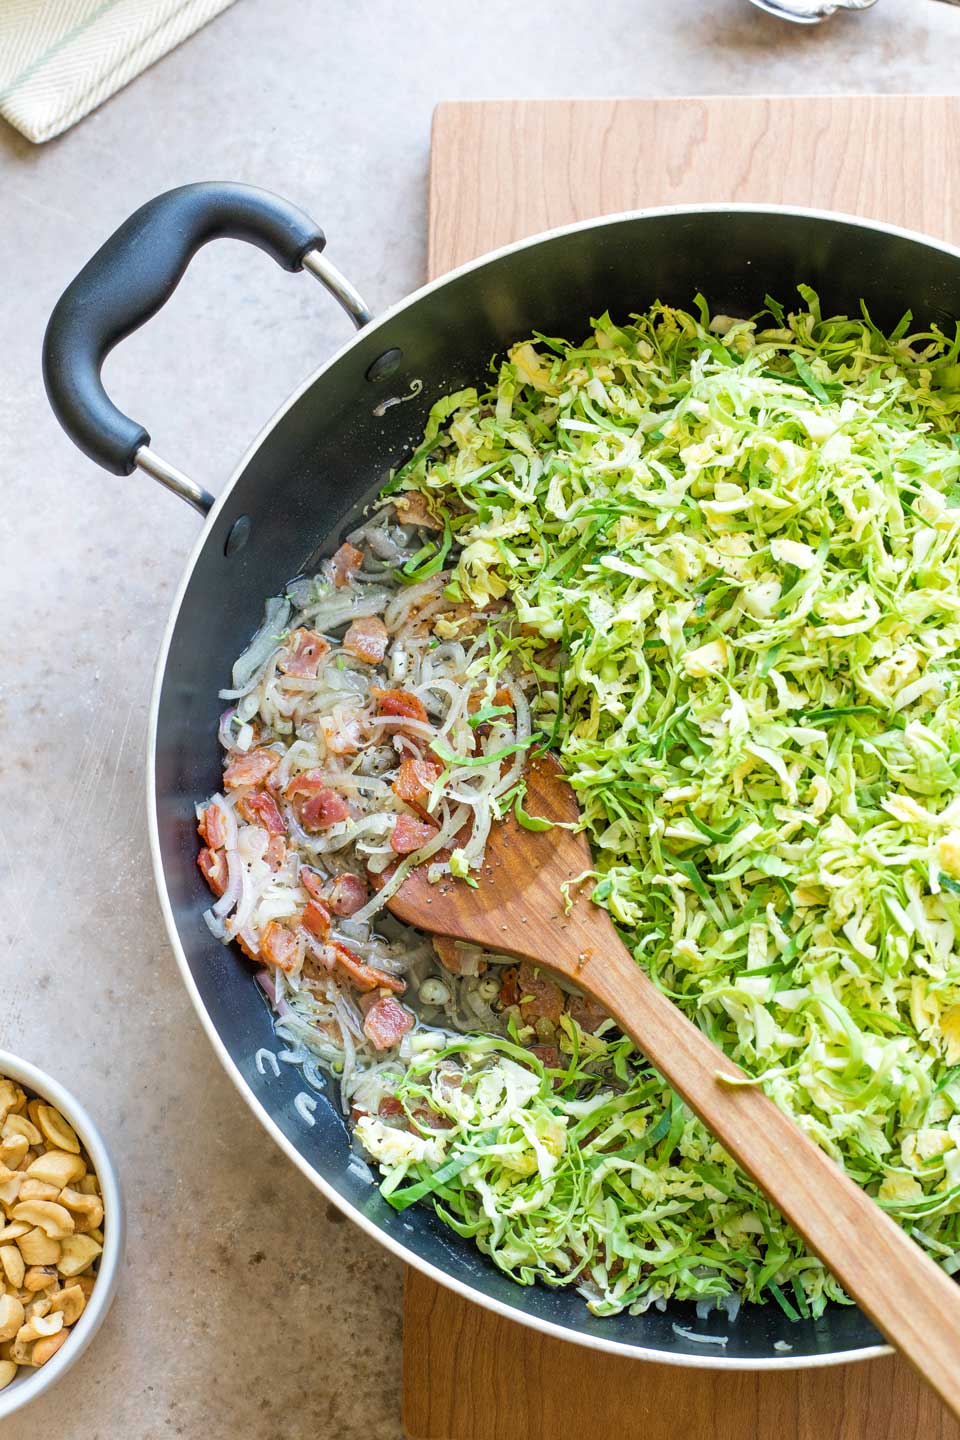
732	549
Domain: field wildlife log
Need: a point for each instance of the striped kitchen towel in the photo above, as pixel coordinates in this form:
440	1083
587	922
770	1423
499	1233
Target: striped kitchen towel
60	59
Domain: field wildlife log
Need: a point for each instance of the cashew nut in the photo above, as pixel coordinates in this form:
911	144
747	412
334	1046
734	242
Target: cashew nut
10	1182
44	1349
59	1135
20	1125
88	1207
58	1167
9	1096
7	1372
40	1277
13	1267
31	1189
21	1353
72	1301
55	1220
37	1248
14	1149
78	1252
11	1316
40	1327
12	1232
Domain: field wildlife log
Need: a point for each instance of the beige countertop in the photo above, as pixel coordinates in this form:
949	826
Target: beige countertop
247	1306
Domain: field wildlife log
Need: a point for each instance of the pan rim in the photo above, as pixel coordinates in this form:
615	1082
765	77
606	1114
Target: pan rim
400	1251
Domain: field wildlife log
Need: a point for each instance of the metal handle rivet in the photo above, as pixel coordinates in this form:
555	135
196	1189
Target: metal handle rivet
238	535
385	365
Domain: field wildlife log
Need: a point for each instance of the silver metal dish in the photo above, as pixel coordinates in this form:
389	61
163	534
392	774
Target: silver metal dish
29	1384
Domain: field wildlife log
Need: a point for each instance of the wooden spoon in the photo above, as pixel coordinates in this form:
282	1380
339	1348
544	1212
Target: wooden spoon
518	909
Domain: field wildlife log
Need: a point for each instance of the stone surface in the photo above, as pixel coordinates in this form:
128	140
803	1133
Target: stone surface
247	1307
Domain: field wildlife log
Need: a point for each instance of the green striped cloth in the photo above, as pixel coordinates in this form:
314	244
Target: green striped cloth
60	59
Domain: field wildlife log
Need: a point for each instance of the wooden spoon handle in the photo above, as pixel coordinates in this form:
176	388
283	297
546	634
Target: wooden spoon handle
905	1293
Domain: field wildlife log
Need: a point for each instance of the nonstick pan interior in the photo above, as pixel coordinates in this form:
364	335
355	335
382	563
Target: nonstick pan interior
323	458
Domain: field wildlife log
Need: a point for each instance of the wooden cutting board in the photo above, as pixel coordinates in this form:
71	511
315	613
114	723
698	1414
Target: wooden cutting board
502	170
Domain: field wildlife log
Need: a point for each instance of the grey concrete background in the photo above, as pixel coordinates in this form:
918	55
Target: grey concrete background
247	1308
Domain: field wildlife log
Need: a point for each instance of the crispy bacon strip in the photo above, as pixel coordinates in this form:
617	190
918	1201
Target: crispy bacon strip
280	947
398	702
409	834
250	769
386	1022
304	651
308	782
348	894
213	866
326	808
346	562
414	782
363	977
261	809
316	919
212	828
367	639
411	508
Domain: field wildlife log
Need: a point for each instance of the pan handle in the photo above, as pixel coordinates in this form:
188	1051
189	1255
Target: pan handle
131	277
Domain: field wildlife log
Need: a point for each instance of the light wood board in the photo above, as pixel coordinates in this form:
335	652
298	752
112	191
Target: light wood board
502	170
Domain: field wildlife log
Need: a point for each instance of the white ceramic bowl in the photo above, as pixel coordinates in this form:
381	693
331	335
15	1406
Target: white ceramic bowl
28	1384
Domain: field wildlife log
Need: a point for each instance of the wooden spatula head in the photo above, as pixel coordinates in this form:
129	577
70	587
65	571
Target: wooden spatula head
519	904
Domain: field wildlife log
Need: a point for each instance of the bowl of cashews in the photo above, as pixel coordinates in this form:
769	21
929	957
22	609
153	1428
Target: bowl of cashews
61	1231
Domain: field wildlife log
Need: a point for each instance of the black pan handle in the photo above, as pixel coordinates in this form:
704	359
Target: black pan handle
131	277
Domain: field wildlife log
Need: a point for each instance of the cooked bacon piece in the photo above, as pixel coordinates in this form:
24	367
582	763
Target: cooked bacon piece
389	1106
540	999
324	809
279	946
548	1055
316	919
386	1022
247	945
509	988
363	977
398	702
411	508
414	781
347	895
276	852
409	834
367	639
251	769
309	782
447	952
587	1012
212	827
346	562
305	650
313	883
213	865
261	809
